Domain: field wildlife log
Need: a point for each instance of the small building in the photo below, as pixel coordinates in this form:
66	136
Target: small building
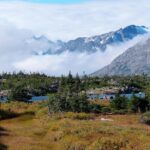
38	98
110	94
106	93
4	95
130	95
3	98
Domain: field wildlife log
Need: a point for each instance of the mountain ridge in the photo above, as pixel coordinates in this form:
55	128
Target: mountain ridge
90	44
134	61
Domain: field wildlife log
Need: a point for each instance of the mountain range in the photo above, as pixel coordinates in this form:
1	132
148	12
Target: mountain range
43	46
134	61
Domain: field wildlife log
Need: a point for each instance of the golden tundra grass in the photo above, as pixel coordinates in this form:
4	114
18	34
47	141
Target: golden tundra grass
72	131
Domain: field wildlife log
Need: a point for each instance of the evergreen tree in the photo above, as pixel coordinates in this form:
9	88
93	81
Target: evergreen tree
139	104
77	86
119	103
134	104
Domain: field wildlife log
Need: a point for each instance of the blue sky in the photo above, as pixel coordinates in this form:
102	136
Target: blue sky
56	1
49	1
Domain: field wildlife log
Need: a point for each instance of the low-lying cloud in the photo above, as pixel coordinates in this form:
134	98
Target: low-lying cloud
12	45
75	62
16	49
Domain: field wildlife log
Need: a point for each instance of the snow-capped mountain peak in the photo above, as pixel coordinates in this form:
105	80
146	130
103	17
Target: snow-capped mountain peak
43	46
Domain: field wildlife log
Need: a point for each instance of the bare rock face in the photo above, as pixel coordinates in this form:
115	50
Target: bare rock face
134	61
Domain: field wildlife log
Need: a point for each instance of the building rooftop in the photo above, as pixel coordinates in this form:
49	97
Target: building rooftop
104	90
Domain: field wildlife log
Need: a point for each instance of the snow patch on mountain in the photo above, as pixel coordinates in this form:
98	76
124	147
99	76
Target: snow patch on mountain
43	46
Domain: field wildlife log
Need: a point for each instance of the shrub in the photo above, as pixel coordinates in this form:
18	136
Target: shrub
95	108
6	114
79	116
119	103
106	110
146	118
109	144
42	112
27	115
120	112
42	105
139	104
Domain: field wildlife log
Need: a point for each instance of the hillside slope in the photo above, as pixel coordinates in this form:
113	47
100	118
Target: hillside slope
136	60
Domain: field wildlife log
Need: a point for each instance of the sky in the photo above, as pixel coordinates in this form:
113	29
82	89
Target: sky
55	1
20	20
48	1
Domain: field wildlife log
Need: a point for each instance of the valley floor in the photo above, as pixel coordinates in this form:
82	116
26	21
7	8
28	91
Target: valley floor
72	132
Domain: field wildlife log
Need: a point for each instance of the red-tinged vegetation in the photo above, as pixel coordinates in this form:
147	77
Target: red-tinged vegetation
34	129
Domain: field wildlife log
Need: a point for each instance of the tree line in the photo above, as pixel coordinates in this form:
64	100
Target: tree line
68	93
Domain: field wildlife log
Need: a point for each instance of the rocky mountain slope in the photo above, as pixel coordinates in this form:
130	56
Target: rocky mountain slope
136	60
43	46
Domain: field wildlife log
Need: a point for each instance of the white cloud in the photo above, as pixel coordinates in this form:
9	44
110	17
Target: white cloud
74	62
12	45
20	21
74	20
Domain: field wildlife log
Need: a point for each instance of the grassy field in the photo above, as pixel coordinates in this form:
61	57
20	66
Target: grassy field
33	129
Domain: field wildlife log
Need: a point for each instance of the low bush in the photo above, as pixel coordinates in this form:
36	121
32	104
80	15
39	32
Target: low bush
79	116
25	116
15	106
42	104
145	118
7	114
120	112
105	110
109	144
94	108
